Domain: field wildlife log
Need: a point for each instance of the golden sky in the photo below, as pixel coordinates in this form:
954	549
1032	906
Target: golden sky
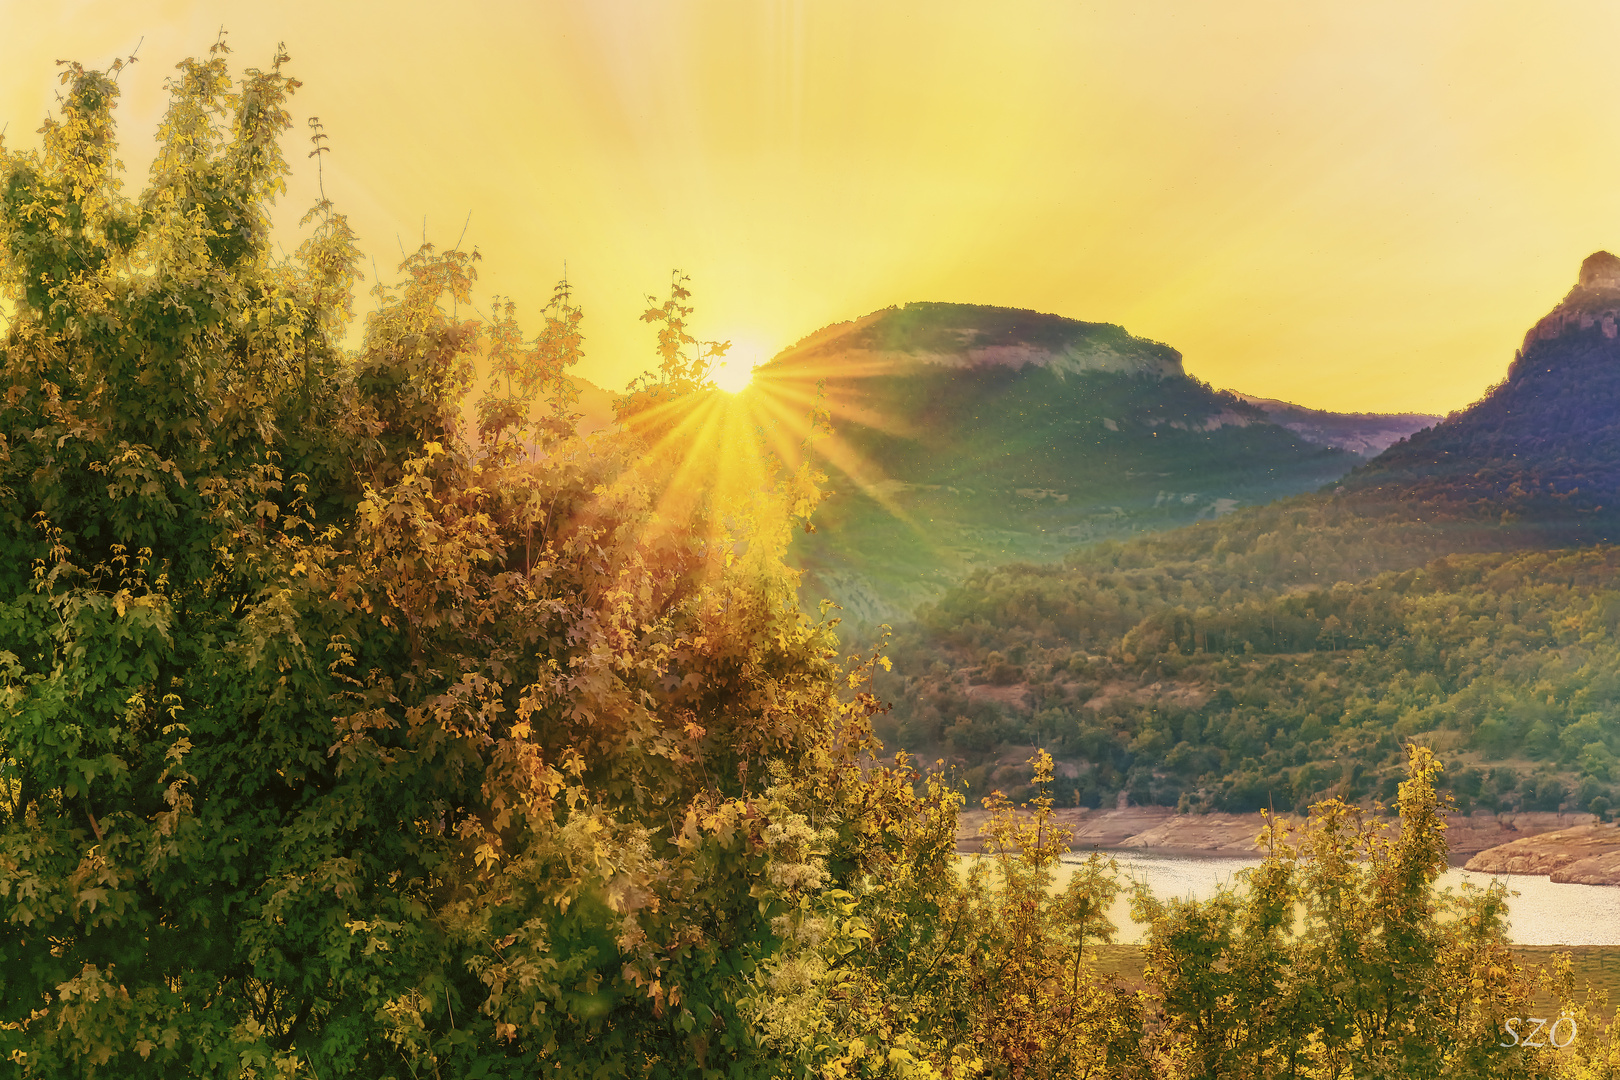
1350	206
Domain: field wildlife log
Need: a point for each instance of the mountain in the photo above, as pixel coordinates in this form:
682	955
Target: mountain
1446	592
967	436
1365	434
1542	447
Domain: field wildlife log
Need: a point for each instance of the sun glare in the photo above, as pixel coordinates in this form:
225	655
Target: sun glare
733	373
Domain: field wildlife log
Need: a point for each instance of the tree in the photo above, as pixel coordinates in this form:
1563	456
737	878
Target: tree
1044	1010
1380	976
336	741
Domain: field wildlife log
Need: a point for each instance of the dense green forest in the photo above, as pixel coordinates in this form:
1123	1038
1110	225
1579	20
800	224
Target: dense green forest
360	718
1275	657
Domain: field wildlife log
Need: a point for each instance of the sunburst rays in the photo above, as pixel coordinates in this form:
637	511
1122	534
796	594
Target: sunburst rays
716	452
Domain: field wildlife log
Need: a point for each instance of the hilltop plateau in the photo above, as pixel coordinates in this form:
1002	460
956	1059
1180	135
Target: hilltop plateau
967	436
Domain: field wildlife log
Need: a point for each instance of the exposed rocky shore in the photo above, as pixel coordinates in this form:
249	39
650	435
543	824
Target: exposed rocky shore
1585	854
1569	847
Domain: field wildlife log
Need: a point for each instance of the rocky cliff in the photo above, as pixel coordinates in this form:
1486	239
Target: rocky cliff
1593	304
902	339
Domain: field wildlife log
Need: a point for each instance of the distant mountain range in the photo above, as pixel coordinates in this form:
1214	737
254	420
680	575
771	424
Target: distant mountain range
967	436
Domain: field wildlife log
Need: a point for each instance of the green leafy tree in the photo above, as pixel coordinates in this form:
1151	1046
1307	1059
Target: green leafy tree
1340	959
337	741
685	364
1044	1010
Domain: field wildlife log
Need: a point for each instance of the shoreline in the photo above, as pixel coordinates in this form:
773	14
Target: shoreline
1572	847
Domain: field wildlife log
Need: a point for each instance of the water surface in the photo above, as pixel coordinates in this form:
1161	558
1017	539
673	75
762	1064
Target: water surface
1544	912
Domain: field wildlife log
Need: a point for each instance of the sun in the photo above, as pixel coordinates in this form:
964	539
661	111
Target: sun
735	371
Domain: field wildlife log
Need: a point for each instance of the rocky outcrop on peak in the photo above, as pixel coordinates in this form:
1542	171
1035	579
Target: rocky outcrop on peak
1593	304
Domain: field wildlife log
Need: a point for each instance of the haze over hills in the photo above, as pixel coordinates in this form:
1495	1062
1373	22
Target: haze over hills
1365	434
967	436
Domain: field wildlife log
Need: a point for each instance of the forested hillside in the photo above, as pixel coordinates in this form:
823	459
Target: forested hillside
1223	684
1285	652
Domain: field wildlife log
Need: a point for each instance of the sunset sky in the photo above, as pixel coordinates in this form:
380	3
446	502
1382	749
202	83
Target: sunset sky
1350	206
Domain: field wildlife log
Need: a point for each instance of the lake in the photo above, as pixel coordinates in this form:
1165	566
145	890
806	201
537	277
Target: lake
1544	913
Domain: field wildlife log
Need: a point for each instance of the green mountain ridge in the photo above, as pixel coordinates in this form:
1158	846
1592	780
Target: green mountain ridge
967	436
